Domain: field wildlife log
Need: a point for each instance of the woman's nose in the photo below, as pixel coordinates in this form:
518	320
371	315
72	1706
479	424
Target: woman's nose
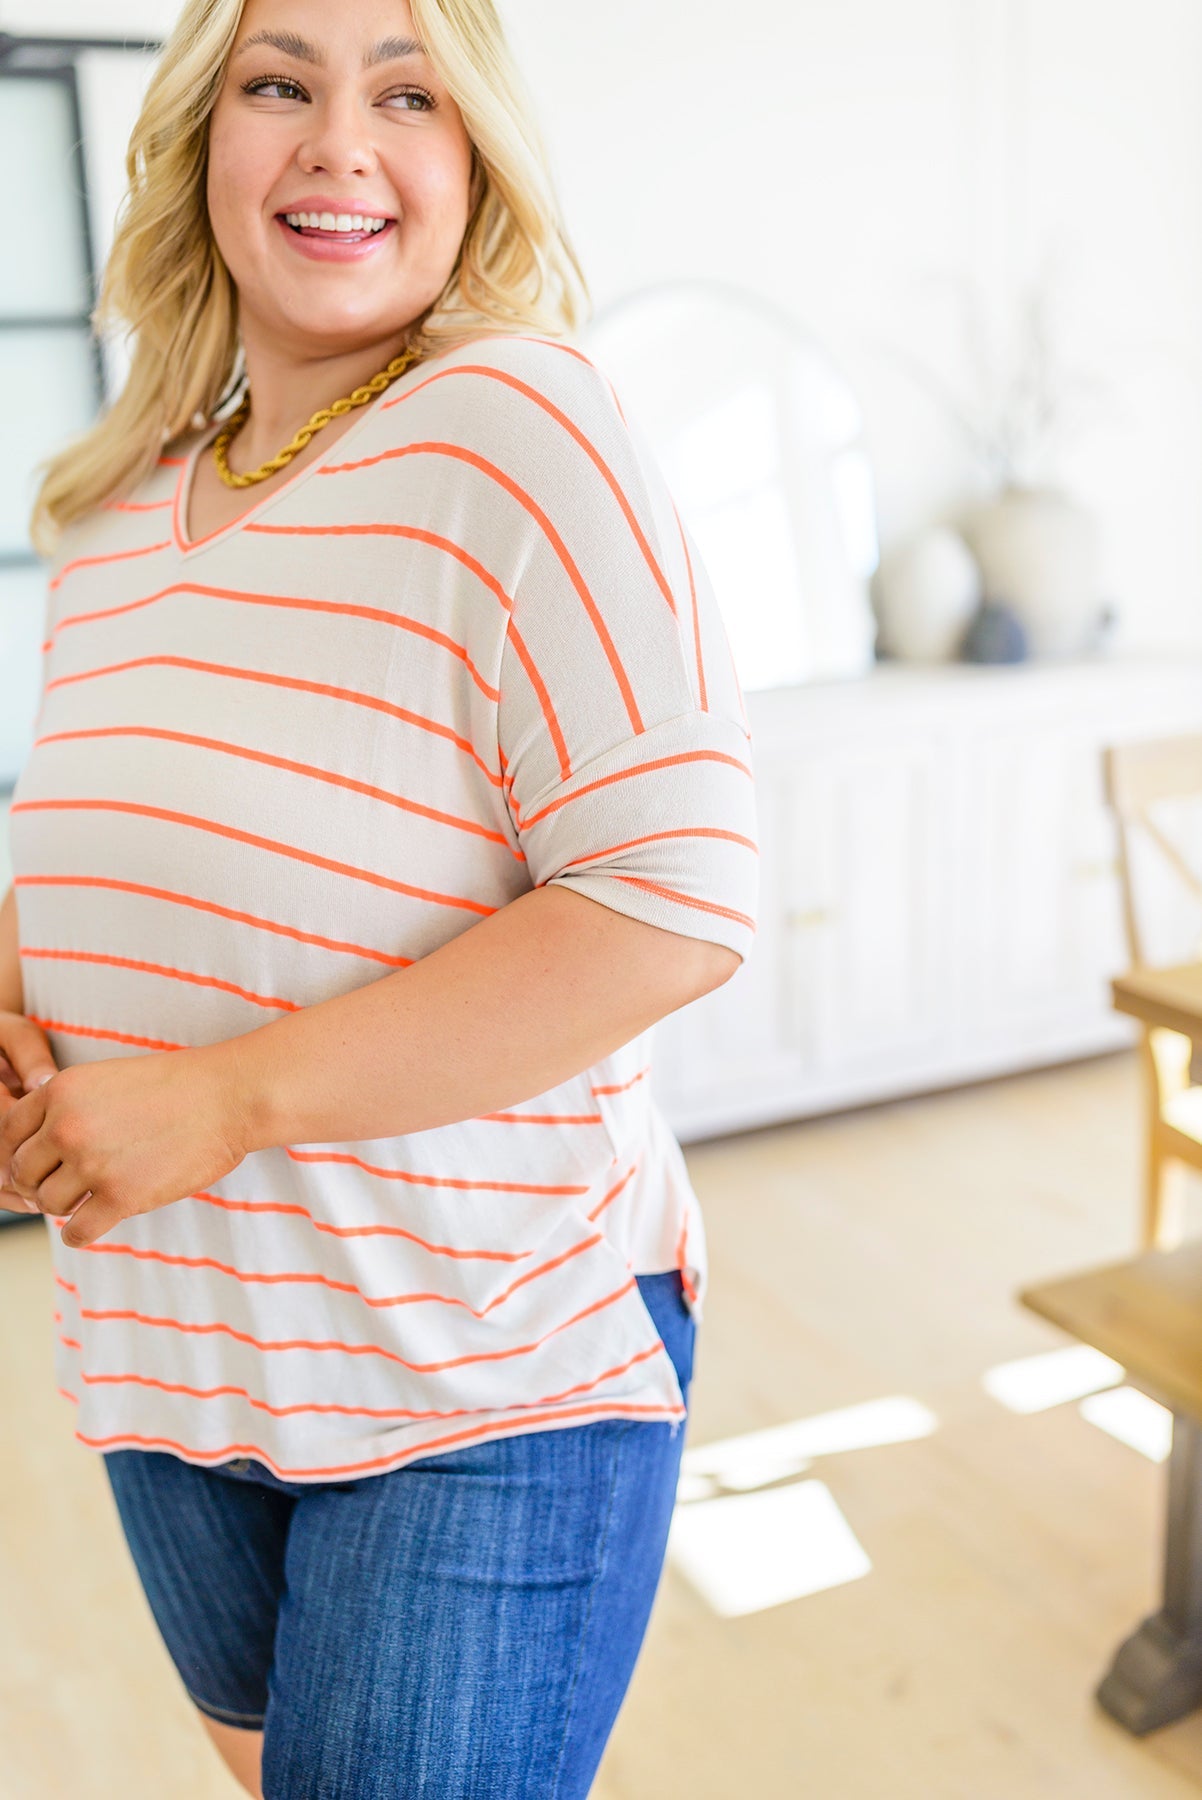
338	138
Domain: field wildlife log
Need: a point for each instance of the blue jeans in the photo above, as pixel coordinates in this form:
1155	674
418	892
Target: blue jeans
462	1628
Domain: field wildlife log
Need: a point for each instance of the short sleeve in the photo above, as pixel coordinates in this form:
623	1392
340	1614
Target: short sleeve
624	744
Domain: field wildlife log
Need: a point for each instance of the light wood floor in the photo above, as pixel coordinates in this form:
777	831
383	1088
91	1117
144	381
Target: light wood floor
852	1259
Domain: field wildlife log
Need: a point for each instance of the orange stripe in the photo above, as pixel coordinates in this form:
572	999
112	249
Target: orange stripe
93	562
573	430
171	974
520	337
309	770
292	682
459	1183
172	462
660	762
379	1464
359	1412
459	454
417	534
696	616
292	1209
511	1118
667	893
613	1192
274	846
140	506
303	1278
681	1259
377	615
109	1037
221	912
218	1328
656	837
621	1087
546	706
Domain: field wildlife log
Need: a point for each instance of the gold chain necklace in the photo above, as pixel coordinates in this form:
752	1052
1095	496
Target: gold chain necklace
237	420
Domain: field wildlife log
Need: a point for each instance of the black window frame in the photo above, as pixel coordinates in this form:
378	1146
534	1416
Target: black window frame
56	59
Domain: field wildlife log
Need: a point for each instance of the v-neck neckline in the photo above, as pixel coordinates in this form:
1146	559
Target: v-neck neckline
183	491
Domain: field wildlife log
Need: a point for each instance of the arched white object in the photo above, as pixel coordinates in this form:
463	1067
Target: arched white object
760	439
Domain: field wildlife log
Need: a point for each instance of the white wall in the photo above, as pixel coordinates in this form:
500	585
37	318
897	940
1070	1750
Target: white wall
851	158
847	156
88	18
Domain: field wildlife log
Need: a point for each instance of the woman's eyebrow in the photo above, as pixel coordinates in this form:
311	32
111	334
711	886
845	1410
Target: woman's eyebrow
387	50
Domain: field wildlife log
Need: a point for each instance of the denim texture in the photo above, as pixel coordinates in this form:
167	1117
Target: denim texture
463	1627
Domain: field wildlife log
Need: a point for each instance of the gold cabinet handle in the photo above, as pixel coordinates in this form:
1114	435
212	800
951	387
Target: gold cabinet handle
1095	871
801	920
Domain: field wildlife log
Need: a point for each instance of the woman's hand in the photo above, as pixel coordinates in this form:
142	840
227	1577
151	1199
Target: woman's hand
130	1133
25	1059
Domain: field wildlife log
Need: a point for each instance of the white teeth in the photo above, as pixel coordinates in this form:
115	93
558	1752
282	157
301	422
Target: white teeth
335	222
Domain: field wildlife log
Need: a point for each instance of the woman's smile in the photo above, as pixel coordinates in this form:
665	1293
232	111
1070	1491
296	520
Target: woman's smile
337	242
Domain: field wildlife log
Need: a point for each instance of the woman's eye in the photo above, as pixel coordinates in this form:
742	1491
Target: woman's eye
427	100
265	82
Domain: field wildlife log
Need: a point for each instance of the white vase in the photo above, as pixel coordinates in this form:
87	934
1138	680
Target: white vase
1040	554
926	591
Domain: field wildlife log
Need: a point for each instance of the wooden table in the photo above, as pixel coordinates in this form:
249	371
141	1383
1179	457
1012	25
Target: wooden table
1147	1315
1171	997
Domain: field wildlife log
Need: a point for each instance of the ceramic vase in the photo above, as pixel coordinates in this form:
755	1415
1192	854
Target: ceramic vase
926	591
1040	556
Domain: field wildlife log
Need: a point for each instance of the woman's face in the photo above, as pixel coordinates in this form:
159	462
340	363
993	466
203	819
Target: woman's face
328	112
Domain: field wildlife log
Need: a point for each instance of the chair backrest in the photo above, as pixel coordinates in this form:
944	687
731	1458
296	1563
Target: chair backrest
1137	776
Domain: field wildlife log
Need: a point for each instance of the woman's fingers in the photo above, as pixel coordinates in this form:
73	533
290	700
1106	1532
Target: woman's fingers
25	1046
10	1200
34	1162
57	1193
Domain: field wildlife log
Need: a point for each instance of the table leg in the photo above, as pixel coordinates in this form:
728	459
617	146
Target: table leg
1156	1675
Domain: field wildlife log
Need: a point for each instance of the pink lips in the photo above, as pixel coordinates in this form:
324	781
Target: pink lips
334	249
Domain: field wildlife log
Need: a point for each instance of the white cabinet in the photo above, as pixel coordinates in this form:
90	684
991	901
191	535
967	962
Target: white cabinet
939	890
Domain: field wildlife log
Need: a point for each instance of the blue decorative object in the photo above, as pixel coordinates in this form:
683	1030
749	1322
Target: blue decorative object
996	635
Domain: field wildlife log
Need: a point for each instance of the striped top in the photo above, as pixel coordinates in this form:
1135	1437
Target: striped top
470	651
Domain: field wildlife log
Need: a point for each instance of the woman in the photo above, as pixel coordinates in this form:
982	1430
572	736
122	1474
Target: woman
392	774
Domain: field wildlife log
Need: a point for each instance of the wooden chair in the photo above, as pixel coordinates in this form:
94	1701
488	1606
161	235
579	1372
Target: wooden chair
1137	776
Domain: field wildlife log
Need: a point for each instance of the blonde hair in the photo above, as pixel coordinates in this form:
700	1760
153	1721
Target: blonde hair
167	285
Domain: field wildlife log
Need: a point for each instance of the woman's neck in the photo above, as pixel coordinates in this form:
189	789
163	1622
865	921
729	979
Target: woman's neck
286	391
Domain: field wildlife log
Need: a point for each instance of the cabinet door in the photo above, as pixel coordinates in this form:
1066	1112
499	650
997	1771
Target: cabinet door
1042	934
848	980
732	1058
867	907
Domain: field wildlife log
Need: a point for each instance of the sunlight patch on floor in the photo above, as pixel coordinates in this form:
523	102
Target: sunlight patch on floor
758	1458
1133	1418
1033	1383
748	1552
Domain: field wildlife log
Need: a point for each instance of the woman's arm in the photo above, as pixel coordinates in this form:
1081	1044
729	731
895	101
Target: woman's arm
510	1008
12	992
